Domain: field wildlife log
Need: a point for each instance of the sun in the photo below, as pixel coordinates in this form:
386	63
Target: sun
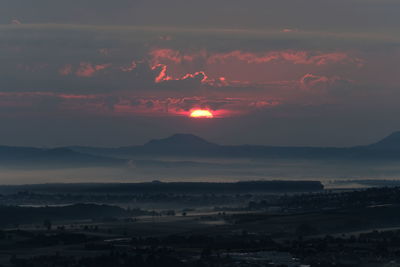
201	113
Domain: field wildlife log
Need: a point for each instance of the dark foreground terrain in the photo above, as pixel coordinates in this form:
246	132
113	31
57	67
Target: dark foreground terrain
93	227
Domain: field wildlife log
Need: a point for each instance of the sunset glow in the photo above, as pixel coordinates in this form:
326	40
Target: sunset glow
201	113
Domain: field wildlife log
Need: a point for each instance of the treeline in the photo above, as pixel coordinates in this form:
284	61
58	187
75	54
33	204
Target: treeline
333	200
13	215
187	200
175	187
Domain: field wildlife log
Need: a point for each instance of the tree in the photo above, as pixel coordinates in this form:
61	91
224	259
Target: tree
47	224
2	234
306	229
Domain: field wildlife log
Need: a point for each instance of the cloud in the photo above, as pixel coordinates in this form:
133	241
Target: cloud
295	57
128	105
15	22
313	83
110	63
163	56
99	70
287	30
86	69
65	70
355	15
130	67
182	106
253	70
162	76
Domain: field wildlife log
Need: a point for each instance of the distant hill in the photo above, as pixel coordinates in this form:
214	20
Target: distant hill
180	141
191	146
40	157
180	144
175	145
391	142
188	145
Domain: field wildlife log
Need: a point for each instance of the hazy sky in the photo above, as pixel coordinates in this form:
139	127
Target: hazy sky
282	72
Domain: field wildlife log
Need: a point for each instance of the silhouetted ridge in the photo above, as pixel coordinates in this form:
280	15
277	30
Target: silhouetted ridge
391	142
54	156
172	187
180	140
189	145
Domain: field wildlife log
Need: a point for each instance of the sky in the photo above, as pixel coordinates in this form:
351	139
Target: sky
271	72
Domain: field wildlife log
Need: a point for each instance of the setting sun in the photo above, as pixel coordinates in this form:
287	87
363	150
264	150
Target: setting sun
201	113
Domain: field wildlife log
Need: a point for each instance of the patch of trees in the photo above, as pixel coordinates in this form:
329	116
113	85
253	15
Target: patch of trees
14	215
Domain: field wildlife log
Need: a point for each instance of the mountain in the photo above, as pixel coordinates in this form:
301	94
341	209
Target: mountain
180	144
391	142
187	141
28	156
191	146
175	145
188	145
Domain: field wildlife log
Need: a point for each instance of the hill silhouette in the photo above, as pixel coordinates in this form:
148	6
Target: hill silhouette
391	142
51	157
189	145
180	140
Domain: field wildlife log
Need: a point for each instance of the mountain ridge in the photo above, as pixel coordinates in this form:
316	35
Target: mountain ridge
60	156
390	142
189	145
180	139
192	145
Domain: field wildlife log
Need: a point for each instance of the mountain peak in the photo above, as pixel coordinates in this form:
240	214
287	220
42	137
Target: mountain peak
391	142
180	140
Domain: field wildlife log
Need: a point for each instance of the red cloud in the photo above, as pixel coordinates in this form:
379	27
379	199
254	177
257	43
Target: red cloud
295	57
229	68
289	30
145	106
311	82
200	75
164	56
65	70
163	76
86	69
183	106
74	97
15	22
130	67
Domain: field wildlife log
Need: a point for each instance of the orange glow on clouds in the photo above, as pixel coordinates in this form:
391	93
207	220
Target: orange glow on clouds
201	113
